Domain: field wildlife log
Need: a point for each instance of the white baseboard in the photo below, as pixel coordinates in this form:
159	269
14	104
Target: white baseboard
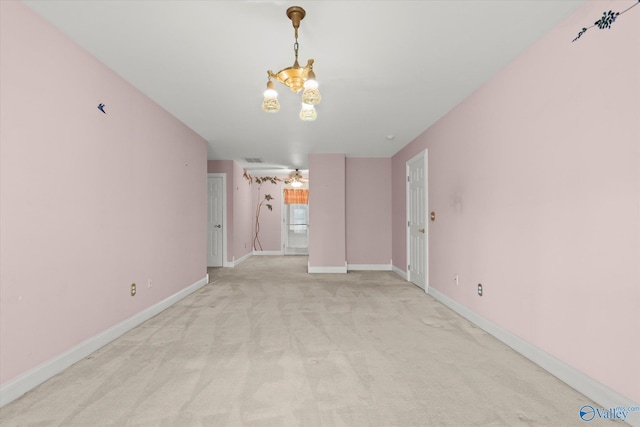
336	269
227	264
235	262
15	388
244	258
369	267
594	390
267	252
399	272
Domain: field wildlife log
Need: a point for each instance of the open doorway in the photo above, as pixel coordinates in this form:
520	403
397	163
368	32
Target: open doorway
295	221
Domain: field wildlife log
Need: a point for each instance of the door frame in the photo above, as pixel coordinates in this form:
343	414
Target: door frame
283	228
426	210
225	262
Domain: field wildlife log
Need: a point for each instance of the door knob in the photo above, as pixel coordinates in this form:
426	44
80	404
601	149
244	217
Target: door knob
218	226
421	230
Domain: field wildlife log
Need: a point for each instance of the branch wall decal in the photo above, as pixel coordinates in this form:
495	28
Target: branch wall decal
266	201
605	21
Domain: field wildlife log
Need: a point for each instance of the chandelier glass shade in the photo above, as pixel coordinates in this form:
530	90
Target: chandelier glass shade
311	94
308	113
295	78
270	103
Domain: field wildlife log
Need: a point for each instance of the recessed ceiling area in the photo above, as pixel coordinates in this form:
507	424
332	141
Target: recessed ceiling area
387	69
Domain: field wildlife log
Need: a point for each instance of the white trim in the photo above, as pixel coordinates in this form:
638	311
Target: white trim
407	210
594	390
399	272
15	388
242	259
424	154
267	252
327	269
426	221
368	267
225	263
336	269
282	215
283	228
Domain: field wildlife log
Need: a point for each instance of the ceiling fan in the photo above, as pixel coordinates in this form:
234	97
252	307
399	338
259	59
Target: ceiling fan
296	180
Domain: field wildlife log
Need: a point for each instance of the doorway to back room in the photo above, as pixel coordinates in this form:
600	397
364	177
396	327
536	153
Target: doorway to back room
295	219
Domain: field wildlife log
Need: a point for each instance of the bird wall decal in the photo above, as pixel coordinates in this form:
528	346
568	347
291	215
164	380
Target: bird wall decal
101	107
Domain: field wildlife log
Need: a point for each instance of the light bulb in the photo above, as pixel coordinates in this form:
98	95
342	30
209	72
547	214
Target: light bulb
270	104
308	113
296	184
311	94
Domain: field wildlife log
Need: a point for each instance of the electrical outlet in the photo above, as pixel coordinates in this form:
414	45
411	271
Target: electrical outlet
480	289
133	289
149	283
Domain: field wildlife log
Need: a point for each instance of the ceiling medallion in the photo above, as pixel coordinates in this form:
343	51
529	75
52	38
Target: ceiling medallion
295	77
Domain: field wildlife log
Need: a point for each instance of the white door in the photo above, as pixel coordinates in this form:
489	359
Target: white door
214	221
417	220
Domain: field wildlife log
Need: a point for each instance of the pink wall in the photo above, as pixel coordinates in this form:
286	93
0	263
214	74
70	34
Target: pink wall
368	206
270	221
243	213
535	182
239	210
90	202
241	207
327	234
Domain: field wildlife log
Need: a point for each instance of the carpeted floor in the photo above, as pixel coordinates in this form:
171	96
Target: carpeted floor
266	344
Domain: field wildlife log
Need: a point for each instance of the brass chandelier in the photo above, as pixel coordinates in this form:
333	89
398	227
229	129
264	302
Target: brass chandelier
295	78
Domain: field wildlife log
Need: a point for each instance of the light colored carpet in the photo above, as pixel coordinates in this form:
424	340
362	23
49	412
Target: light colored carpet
266	344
